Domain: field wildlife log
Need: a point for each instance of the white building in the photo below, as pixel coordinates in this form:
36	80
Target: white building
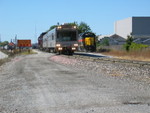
138	27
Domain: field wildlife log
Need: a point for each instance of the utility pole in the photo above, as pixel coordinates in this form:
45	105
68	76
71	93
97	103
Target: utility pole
35	37
15	39
15	42
0	38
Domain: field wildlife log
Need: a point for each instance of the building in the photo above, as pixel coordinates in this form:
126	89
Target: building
137	27
113	39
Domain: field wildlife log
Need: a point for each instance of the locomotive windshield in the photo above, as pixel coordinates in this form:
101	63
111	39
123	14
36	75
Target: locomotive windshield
66	36
89	35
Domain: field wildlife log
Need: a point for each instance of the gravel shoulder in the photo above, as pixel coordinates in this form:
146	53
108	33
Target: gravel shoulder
125	69
3	55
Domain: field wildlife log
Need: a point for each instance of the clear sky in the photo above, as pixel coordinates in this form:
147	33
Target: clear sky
29	18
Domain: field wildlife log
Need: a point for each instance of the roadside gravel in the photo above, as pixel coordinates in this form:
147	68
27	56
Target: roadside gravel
48	83
140	73
2	55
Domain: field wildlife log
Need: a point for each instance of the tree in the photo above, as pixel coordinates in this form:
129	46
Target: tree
105	42
83	27
128	42
3	44
52	27
73	23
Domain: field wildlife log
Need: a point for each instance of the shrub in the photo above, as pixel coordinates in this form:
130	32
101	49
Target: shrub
128	43
135	46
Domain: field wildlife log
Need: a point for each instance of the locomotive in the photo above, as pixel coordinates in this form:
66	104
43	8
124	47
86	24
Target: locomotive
87	42
62	39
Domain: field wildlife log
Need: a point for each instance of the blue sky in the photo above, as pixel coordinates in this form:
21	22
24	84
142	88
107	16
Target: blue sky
29	18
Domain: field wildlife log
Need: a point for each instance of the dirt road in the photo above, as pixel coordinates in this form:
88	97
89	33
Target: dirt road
35	84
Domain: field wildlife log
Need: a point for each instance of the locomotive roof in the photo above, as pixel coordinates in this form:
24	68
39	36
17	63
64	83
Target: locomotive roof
86	34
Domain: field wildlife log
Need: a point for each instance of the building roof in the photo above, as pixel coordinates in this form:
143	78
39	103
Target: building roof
114	36
11	44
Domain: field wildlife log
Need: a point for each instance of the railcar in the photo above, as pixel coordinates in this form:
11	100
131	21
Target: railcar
62	39
87	42
40	41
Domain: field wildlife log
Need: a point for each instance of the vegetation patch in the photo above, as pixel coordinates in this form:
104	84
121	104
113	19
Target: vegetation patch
27	52
140	55
135	46
130	50
13	53
2	61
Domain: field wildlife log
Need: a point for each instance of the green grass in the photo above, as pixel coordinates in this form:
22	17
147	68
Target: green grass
135	46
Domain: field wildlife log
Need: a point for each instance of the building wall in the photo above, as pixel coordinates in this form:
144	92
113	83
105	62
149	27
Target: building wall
141	26
123	28
138	26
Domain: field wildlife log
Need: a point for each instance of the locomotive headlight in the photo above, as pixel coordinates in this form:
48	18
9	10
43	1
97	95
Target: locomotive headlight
73	48
60	48
59	27
74	27
76	45
58	45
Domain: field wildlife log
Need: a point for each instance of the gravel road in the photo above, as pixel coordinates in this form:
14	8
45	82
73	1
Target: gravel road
46	83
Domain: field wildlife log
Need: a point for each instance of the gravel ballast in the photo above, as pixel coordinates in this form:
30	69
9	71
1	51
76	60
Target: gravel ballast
138	72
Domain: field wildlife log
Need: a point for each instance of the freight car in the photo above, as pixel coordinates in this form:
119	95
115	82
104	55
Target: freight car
87	42
62	39
40	41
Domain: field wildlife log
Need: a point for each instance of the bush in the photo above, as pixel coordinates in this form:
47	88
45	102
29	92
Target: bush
128	42
135	46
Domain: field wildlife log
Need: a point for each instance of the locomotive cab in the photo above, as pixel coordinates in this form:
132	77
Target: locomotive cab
66	39
87	42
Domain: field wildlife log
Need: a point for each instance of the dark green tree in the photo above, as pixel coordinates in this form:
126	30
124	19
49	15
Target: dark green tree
73	24
83	27
3	44
105	42
52	27
128	42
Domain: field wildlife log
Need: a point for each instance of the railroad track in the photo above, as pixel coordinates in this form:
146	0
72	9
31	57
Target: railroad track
96	58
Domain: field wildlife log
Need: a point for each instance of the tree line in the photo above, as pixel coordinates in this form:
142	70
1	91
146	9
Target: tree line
82	27
3	44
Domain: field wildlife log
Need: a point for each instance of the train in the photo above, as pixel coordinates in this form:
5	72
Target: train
87	42
65	39
40	41
61	39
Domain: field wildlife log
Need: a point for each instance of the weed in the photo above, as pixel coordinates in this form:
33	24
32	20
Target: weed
141	55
